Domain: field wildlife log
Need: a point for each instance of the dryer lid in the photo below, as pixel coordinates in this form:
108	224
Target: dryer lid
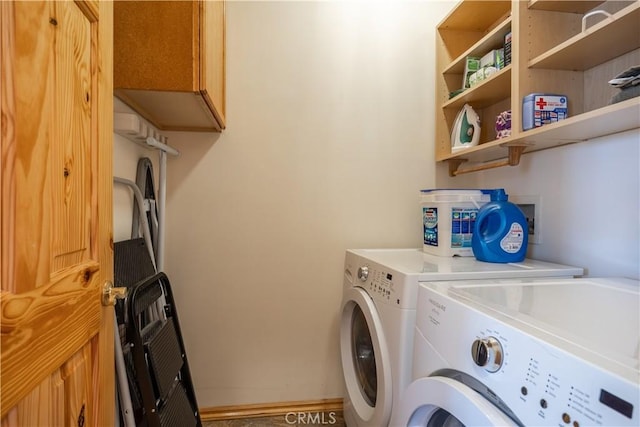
599	315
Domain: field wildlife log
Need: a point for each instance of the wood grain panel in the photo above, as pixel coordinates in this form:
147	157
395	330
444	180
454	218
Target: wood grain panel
169	62
56	338
442	133
7	149
599	43
102	345
44	327
476	15
70	156
455	43
165	32
212	48
597	91
44	406
34	40
574	6
269	409
565	25
76	374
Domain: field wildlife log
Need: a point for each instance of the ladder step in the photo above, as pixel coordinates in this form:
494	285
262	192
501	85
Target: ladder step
177	411
165	358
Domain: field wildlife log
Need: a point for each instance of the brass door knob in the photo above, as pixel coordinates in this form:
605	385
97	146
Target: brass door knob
110	293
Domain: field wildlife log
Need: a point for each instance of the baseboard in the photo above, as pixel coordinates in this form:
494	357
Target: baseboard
269	409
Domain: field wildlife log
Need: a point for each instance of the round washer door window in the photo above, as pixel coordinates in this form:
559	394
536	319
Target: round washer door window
442	418
365	359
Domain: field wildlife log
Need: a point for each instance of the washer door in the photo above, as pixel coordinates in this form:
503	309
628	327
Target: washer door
440	401
365	360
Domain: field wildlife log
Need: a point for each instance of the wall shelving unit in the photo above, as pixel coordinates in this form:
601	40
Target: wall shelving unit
550	54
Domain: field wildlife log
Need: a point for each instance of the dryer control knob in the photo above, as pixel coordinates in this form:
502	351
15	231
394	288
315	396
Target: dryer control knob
487	353
363	273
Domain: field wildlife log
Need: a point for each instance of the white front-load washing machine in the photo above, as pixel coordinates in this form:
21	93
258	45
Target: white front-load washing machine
378	319
537	352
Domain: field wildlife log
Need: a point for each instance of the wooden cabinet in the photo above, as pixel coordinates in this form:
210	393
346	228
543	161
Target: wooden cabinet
169	62
550	54
56	241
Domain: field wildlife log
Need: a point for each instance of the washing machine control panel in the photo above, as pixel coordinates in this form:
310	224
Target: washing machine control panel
363	273
377	281
385	284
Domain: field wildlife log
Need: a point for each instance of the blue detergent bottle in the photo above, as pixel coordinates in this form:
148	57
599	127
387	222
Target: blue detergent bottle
501	232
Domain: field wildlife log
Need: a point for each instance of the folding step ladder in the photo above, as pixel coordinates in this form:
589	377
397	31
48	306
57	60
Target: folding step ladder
159	359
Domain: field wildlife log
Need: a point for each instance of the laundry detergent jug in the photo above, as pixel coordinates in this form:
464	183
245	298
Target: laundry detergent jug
500	232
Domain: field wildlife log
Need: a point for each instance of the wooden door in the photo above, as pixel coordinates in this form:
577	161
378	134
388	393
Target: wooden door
55	246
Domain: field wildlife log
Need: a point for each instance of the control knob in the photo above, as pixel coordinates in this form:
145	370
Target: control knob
363	273
487	353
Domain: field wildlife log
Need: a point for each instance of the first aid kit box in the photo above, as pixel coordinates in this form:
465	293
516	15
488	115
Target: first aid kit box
539	109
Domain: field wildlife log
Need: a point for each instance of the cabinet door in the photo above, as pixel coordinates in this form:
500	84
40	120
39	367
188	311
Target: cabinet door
169	62
55	247
212	61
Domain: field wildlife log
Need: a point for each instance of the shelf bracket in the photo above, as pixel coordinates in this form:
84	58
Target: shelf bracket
515	151
454	164
513	159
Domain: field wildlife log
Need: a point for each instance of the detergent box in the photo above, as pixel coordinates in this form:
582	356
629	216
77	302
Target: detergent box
539	109
448	219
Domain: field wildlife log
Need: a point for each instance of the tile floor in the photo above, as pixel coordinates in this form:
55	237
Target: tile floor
313	419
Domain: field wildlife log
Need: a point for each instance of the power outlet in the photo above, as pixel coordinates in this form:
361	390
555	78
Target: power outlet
531	206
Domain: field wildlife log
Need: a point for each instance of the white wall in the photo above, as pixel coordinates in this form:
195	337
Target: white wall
330	118
590	201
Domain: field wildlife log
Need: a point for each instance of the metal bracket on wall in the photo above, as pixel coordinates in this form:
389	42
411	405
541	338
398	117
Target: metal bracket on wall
513	159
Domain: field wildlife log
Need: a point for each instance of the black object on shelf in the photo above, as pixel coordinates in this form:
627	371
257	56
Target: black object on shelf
629	84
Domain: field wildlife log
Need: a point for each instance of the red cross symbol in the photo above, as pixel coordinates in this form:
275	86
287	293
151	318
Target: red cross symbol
541	103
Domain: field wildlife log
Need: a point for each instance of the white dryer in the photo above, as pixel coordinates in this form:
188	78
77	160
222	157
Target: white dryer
525	353
378	320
